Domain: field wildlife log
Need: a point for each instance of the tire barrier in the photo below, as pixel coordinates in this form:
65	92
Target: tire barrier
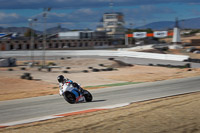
192	60
85	71
26	76
95	70
65	72
111	58
187	65
23	68
105	69
68	67
10	69
101	65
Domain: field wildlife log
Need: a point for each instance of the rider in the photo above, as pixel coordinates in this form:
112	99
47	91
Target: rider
62	80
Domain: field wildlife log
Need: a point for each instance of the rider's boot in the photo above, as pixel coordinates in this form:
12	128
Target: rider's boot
60	92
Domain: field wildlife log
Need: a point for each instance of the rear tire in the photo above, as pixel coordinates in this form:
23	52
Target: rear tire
69	97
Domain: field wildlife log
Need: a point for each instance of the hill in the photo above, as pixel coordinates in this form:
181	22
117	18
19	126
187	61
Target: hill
192	23
22	30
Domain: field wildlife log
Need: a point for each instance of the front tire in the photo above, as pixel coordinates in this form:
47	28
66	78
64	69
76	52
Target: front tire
87	95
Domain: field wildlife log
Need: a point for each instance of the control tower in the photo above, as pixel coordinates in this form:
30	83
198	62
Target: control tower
113	24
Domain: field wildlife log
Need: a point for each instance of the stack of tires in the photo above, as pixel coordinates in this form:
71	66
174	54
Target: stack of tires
27	76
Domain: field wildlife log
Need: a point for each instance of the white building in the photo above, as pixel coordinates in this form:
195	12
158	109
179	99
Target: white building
75	34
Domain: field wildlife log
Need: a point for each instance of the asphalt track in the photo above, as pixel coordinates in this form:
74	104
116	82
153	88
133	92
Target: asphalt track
23	109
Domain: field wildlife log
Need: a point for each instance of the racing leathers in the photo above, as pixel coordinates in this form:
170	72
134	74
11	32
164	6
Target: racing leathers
73	85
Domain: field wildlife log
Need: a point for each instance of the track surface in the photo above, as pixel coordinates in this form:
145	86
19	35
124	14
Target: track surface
22	109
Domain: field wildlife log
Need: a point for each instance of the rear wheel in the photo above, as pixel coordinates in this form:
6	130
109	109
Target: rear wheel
69	97
87	95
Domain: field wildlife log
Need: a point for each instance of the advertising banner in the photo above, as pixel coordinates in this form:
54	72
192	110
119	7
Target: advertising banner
139	34
160	34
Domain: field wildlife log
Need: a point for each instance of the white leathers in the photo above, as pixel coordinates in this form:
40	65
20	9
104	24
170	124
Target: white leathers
65	85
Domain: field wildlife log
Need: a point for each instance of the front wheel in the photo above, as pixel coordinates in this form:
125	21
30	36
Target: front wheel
87	95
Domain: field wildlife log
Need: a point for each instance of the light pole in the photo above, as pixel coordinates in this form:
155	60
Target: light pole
32	39
46	10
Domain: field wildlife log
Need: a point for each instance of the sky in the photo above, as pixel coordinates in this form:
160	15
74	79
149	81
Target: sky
84	14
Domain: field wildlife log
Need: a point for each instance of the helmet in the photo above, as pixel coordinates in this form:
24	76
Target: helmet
60	78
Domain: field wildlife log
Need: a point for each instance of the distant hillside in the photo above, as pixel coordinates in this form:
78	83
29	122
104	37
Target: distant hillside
193	23
162	25
22	30
56	30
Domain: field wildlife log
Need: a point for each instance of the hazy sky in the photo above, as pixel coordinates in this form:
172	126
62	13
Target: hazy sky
82	14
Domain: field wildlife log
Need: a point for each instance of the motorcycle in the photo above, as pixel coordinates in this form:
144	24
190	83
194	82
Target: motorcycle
72	95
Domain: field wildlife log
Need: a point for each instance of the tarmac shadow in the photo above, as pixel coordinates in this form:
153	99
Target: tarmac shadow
98	101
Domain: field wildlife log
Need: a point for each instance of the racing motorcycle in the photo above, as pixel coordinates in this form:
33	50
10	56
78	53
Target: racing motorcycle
72	95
